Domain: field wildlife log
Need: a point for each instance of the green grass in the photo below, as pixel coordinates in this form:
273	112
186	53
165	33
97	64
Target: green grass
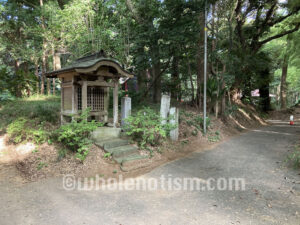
294	157
43	109
214	137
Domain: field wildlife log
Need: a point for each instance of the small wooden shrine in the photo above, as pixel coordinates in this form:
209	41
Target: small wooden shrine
86	83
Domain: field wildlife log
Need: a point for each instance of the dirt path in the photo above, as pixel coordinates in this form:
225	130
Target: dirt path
271	195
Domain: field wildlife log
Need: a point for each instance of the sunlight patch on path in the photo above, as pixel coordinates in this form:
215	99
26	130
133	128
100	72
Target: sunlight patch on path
272	132
2	145
25	148
10	152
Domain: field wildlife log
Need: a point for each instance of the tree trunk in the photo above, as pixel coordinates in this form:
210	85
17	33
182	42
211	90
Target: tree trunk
247	89
44	68
217	109
17	89
44	54
42	83
26	72
192	83
142	81
223	100
264	91
56	66
283	86
156	74
48	86
36	73
200	60
175	87
157	83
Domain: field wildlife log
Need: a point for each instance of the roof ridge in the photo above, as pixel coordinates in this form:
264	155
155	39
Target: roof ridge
96	55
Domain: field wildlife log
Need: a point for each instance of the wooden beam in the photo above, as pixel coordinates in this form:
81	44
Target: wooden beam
103	73
67	75
115	106
96	83
66	85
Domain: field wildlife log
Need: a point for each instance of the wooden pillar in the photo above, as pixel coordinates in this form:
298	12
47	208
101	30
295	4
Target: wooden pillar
115	107
62	102
73	97
84	95
106	103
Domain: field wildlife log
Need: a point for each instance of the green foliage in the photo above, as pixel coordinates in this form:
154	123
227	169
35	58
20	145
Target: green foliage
16	130
38	108
159	39
5	96
195	132
107	155
193	120
62	153
294	157
214	137
214	91
76	135
231	110
146	127
199	121
41	165
23	129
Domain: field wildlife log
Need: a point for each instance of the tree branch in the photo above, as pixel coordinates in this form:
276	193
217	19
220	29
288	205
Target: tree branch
156	77
280	19
131	8
240	19
269	13
279	35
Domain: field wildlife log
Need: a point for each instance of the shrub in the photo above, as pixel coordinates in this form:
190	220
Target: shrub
16	130
46	112
199	120
231	109
146	127
5	96
294	157
24	129
76	135
38	108
61	154
214	137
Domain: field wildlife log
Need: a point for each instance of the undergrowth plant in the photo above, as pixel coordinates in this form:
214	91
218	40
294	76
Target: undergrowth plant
76	135
214	137
38	108
146	127
294	157
23	129
195	121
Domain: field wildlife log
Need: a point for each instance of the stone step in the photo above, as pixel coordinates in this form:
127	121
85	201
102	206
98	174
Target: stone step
123	151
128	158
120	148
111	143
105	132
100	141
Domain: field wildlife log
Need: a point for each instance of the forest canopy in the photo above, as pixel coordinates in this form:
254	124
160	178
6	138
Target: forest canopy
252	45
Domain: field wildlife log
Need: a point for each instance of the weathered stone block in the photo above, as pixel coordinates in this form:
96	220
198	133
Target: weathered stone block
174	113
125	109
165	107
